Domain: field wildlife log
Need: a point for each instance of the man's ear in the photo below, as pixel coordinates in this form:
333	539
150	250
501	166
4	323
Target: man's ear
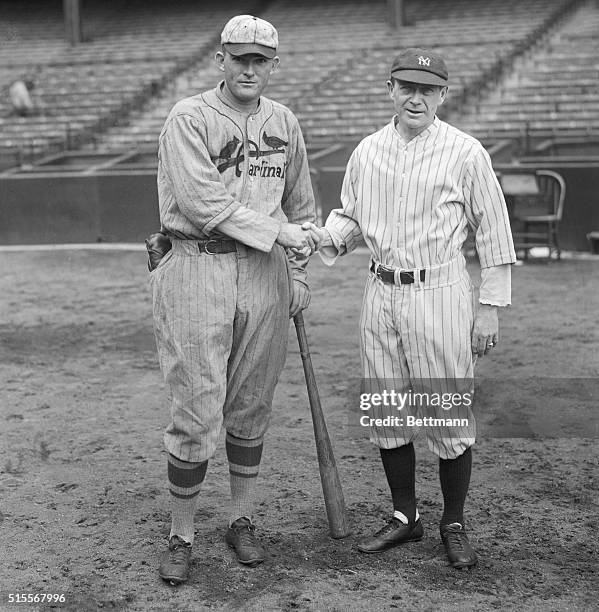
275	64
390	88
219	58
443	93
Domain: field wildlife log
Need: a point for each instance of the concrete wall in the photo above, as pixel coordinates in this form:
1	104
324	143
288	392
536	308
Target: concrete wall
122	206
65	207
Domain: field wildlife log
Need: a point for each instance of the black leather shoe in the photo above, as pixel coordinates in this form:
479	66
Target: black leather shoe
392	534
241	537
174	567
457	546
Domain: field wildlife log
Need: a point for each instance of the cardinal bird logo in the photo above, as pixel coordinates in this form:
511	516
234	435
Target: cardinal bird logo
227	151
233	154
274	142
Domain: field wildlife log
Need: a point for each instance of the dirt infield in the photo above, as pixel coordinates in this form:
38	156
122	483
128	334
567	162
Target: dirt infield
83	502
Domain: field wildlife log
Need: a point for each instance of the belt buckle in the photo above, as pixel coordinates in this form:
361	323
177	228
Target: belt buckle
382	269
207	250
408	275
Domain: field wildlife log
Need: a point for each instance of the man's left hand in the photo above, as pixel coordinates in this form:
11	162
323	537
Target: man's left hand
300	299
485	332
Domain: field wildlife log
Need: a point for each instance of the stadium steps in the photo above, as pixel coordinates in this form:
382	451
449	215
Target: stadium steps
494	34
335	59
131	52
552	90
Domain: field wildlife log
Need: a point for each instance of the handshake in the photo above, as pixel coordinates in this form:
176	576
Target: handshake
303	239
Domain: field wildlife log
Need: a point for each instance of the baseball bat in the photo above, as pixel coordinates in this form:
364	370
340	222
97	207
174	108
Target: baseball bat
329	476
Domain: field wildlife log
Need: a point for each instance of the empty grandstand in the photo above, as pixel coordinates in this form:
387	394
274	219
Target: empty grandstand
129	51
138	58
524	75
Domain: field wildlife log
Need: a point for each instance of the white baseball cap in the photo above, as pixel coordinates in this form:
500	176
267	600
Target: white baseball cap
245	34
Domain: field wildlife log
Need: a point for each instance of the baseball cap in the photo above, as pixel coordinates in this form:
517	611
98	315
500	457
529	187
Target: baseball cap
246	34
420	66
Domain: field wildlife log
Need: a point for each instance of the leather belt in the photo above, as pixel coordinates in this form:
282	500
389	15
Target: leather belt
217	246
387	274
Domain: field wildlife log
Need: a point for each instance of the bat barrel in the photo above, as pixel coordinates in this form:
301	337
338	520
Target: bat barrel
329	476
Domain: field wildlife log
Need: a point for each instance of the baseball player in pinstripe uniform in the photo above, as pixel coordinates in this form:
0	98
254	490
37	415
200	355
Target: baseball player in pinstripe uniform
410	192
234	187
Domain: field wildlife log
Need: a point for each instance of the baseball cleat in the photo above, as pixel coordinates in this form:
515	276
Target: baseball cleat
241	537
459	551
174	567
392	534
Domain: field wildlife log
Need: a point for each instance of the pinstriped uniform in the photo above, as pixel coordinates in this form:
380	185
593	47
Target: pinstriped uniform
221	329
221	320
405	334
411	203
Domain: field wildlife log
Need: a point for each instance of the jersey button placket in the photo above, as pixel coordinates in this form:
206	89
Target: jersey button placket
251	137
400	213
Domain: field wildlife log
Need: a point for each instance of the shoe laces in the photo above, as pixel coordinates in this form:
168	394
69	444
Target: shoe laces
390	526
178	551
245	533
455	538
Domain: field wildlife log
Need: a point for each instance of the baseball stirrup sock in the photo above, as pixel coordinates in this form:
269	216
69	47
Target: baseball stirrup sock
185	479
454	475
244	463
400	469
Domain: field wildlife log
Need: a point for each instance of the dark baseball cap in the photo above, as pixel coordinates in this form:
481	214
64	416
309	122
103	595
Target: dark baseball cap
420	66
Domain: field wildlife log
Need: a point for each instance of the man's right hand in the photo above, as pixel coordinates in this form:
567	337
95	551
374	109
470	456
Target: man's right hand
319	234
292	236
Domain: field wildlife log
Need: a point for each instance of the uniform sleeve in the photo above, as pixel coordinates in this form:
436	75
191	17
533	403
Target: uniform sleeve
486	212
341	223
253	228
496	285
199	191
298	198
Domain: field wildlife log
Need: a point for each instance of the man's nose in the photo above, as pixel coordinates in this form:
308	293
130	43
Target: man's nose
249	69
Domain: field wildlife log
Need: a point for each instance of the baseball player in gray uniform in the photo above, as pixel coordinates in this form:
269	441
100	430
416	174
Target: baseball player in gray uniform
410	192
234	185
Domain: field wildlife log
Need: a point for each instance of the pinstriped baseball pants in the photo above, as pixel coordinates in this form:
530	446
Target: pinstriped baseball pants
418	337
221	326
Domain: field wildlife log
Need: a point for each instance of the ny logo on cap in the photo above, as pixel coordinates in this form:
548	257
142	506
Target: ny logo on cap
424	61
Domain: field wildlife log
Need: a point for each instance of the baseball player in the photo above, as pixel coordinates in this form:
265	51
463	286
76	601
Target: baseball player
410	192
233	185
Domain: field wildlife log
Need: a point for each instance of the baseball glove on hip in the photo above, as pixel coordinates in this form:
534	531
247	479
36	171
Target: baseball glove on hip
157	245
